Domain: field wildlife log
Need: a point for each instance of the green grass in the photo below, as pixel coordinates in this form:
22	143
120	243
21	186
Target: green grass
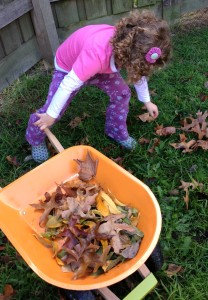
177	92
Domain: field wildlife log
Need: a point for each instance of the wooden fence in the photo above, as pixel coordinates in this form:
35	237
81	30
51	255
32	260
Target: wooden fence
31	30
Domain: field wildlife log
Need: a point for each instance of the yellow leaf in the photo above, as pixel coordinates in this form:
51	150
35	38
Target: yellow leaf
59	261
101	206
90	224
104	243
53	222
134	221
45	242
115	199
55	248
109	203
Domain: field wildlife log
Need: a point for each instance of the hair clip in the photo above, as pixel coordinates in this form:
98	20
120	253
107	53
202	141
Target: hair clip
152	55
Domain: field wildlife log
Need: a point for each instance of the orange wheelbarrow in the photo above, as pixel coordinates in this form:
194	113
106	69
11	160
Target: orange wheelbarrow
18	220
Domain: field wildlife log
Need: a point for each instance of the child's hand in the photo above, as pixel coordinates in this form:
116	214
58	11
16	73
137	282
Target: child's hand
152	109
44	121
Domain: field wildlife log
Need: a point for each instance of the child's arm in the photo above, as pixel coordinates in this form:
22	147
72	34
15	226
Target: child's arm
69	84
143	95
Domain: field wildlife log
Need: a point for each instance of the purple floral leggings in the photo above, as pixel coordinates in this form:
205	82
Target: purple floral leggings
112	84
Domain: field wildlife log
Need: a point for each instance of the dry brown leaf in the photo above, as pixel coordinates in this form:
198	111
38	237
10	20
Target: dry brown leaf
143	141
186	198
47	206
8	292
75	122
155	144
173	270
186	186
198	125
118	160
13	160
174	192
187	147
145	117
203	97
164	131
203	144
88	167
194	184
200	129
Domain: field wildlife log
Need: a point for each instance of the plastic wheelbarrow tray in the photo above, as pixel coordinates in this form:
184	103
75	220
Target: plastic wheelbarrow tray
18	220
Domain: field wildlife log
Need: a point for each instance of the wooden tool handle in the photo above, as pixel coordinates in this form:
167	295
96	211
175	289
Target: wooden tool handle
54	141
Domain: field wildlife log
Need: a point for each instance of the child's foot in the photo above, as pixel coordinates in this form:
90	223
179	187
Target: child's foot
40	152
129	144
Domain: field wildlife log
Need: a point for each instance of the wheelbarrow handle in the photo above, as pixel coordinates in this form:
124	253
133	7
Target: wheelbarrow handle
54	141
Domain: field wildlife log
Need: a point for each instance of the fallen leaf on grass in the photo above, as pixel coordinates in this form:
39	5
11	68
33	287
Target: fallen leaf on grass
84	141
201	143
143	141
164	131
13	160
155	144
173	270
8	292
174	192
186	186
118	160
76	121
203	97
145	117
186	146
198	125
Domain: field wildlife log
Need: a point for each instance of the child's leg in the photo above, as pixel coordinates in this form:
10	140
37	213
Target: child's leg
118	108
34	135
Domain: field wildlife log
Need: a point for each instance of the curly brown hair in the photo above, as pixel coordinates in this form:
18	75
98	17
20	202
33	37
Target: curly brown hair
134	36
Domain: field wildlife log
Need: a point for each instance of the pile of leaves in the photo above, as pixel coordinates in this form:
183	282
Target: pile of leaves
88	230
198	126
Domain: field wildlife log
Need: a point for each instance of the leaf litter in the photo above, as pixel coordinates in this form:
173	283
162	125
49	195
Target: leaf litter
88	230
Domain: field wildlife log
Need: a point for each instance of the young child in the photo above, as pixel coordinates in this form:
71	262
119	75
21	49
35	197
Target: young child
94	55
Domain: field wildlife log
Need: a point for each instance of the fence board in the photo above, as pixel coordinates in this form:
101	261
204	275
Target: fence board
188	6
171	10
120	6
81	10
18	62
2	53
66	12
45	29
14	10
53	8
11	37
142	3
26	27
63	33
109	7
95	9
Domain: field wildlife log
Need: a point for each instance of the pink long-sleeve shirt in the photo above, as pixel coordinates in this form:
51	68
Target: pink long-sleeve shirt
83	54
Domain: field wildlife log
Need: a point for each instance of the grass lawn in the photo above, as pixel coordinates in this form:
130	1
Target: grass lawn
180	91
